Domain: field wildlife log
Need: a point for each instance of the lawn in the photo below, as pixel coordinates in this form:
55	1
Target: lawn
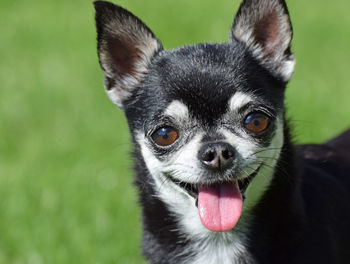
65	177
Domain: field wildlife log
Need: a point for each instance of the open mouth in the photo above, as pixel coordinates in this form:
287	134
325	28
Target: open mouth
193	189
219	204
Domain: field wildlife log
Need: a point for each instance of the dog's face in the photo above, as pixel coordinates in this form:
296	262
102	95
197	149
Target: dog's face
207	119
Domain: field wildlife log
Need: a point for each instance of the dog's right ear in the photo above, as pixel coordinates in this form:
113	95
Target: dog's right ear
125	48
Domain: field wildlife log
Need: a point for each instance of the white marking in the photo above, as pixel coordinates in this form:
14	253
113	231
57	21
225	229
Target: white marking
177	110
183	166
223	248
238	100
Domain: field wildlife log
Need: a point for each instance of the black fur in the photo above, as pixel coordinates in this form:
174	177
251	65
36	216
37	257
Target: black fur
304	217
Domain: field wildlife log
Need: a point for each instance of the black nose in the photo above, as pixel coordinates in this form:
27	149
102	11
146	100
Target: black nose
217	156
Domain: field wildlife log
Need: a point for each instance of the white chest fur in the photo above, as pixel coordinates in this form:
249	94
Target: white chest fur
220	248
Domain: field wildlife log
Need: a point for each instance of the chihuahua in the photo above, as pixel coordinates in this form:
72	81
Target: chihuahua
219	178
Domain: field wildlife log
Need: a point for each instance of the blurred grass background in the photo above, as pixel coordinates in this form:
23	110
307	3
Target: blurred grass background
65	178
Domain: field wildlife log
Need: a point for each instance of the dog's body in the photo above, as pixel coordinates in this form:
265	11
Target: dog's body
219	179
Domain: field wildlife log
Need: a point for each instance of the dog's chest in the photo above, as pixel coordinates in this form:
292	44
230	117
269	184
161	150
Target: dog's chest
218	250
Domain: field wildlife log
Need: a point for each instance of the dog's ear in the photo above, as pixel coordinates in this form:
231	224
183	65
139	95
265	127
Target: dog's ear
125	48
265	27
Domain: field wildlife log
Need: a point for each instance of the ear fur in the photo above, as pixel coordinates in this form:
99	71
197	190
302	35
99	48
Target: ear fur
265	27
125	48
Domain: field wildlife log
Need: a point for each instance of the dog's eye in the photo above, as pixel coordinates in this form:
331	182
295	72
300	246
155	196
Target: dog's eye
256	122
165	136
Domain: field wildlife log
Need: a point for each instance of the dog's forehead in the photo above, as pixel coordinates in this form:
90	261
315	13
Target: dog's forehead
208	79
202	77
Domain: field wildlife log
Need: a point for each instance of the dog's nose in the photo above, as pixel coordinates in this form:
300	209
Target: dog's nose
217	156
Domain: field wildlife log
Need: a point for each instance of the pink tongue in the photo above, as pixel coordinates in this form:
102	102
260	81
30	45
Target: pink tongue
220	206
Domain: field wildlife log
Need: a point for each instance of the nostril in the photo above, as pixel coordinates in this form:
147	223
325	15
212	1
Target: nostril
209	155
227	154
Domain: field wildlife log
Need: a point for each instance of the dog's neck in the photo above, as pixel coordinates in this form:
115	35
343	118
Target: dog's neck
165	234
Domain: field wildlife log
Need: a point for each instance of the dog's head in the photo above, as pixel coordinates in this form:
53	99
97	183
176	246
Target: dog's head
207	119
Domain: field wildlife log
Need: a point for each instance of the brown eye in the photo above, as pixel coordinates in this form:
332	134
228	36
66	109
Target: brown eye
165	136
256	122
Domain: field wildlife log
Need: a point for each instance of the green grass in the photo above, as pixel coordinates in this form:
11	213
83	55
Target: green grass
65	178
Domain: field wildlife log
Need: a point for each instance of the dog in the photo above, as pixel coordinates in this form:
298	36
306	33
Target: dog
219	178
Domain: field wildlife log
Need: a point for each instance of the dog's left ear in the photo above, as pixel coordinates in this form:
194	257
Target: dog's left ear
265	27
125	49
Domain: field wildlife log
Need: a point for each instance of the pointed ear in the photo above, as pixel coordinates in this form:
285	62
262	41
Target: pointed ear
125	48
264	26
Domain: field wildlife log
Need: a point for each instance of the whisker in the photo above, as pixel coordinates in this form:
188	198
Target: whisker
266	149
